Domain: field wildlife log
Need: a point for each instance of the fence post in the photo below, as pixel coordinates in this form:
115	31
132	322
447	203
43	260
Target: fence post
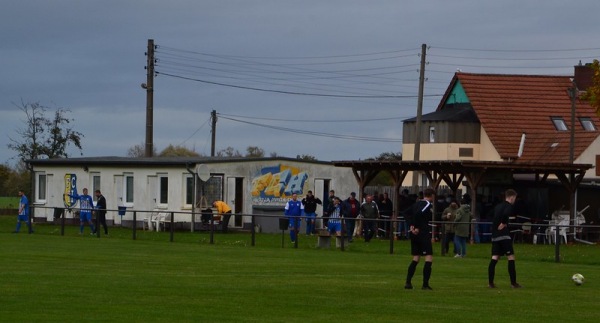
212	229
62	223
135	225
390	232
556	244
172	226
253	230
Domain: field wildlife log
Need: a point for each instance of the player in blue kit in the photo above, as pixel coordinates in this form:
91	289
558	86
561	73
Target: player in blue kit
23	212
293	210
86	204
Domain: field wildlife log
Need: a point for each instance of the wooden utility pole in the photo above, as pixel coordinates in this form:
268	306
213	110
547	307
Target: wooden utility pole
149	86
213	116
417	154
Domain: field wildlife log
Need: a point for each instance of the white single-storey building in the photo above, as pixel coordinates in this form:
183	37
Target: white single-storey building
174	184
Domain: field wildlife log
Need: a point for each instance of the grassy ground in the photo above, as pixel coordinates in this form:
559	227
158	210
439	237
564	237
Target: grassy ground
49	277
9	202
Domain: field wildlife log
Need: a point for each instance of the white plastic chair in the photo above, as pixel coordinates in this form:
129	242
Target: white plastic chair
159	220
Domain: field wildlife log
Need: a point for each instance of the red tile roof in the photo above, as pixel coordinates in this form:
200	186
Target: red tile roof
508	105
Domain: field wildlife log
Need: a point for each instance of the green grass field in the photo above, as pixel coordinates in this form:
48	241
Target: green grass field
9	202
49	277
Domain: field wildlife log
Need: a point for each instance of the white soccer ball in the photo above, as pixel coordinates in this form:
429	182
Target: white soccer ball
578	279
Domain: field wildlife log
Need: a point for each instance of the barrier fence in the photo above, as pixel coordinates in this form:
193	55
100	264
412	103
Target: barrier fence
393	228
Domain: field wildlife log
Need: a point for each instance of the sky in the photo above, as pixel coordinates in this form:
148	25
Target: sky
331	79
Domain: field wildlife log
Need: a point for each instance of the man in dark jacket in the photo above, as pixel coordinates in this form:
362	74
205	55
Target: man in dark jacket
420	238
351	209
101	211
310	208
370	214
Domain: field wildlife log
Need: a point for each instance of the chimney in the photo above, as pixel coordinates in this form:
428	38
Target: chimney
583	76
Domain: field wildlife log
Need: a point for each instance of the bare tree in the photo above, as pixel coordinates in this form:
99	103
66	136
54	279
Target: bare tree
43	137
254	151
178	151
306	157
229	152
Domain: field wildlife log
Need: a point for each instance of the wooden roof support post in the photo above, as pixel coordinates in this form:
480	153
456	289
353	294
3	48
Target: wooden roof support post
363	177
453	182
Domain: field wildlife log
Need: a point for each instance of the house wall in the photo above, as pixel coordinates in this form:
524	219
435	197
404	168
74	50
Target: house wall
589	157
445	132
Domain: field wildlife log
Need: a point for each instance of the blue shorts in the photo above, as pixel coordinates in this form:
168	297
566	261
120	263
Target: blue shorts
21	217
294	222
310	216
85	216
334	227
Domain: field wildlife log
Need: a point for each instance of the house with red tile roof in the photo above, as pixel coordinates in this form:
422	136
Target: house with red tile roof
513	118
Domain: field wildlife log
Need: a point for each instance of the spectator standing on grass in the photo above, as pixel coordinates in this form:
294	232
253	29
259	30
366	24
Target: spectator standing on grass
101	210
420	239
370	214
86	205
448	215
310	208
335	224
328	207
501	241
23	215
461	228
386	209
351	208
293	210
225	212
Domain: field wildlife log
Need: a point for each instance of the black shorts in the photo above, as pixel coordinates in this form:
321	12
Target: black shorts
421	246
502	248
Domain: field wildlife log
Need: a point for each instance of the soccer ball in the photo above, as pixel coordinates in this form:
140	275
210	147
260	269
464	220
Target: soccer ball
578	279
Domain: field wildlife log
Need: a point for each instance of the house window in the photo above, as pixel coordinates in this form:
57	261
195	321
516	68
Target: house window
587	124
431	134
95	185
189	189
128	189
40	187
465	152
559	123
163	190
213	188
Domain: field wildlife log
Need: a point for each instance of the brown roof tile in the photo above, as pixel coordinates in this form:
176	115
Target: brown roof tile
509	105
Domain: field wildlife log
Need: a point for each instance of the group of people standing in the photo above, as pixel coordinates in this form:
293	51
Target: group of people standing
457	226
86	208
334	209
421	242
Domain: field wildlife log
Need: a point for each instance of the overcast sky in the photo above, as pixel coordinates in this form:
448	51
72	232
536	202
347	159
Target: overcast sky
345	72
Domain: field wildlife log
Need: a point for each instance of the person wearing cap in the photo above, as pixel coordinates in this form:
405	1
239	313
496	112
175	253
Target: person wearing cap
310	208
351	210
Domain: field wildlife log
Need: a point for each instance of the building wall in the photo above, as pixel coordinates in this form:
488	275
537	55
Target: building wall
589	157
146	183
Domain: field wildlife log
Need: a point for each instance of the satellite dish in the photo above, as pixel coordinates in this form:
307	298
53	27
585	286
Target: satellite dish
202	172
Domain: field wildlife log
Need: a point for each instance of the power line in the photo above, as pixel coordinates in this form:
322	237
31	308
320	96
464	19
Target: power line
291	92
314	120
315	133
290	57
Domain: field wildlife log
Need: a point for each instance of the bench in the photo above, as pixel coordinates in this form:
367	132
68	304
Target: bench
324	240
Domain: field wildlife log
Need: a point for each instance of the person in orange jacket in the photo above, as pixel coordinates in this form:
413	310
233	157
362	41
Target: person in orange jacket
224	211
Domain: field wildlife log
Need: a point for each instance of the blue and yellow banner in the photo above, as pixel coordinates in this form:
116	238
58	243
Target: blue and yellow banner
274	185
70	189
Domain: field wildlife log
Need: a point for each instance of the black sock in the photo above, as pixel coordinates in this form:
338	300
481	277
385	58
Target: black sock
492	270
426	273
411	271
512	272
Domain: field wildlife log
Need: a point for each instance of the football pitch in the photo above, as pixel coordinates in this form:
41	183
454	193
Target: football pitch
49	277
